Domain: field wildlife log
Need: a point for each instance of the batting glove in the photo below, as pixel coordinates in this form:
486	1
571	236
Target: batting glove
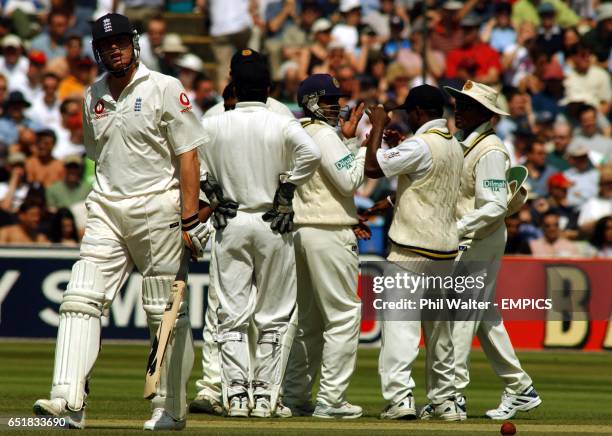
281	214
195	235
223	209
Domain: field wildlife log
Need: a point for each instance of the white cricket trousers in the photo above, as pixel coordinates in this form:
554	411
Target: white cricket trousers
484	255
329	315
145	232
400	341
247	252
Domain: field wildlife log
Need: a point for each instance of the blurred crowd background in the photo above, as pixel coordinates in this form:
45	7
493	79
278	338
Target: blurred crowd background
549	59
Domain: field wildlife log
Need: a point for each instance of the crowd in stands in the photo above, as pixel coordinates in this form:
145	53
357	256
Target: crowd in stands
550	59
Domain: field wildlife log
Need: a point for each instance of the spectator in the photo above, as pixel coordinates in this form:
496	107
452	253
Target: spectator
30	85
447	35
527	10
552	244
64	65
599	39
172	49
547	100
151	42
3	93
80	78
231	31
562	136
498	31
558	185
25	143
474	60
346	32
51	40
601	240
13	65
26	230
515	242
600	147
316	53
205	96
520	113
539	172
515	60
600	206
280	16
140	11
386	24
411	58
46	108
589	78
396	42
14	192
189	66
41	167
14	117
70	132
549	37
583	176
72	189
63	229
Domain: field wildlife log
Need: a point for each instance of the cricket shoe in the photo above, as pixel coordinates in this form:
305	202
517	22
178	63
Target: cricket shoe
405	409
262	408
462	406
446	411
302	409
206	404
161	420
512	403
58	407
238	406
343	411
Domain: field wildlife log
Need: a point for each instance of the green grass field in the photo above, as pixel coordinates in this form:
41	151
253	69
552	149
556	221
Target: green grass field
575	387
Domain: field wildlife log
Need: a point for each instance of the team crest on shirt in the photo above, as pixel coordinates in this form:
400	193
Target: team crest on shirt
138	105
184	100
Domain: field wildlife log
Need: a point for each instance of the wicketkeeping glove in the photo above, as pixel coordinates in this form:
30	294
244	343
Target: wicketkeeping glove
281	214
195	235
223	208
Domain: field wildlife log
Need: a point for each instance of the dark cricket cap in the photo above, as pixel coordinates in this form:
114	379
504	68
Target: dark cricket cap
249	68
110	25
323	85
424	97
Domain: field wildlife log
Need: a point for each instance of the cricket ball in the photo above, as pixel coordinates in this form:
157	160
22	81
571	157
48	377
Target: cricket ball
507	428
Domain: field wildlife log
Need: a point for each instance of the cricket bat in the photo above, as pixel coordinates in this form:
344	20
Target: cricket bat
165	329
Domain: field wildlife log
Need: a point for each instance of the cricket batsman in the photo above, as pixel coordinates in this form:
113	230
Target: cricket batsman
258	158
209	397
423	238
329	310
140	131
481	210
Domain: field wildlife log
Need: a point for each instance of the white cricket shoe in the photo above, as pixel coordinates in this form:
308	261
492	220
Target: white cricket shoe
57	407
206	404
405	409
161	420
342	411
239	406
512	403
262	408
446	411
462	406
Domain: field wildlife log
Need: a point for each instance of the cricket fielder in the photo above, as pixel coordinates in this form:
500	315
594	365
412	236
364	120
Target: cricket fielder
248	150
140	131
423	233
209	397
329	310
481	210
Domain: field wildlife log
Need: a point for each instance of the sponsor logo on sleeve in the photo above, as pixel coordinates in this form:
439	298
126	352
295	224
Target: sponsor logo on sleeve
184	100
99	110
388	155
345	163
494	185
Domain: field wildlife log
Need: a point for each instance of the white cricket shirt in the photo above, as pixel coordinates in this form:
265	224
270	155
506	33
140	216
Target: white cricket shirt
135	141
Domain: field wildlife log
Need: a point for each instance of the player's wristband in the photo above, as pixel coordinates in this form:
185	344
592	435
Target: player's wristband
191	222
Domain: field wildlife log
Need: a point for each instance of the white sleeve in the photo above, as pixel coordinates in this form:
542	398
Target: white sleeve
491	194
305	153
339	164
409	157
89	140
